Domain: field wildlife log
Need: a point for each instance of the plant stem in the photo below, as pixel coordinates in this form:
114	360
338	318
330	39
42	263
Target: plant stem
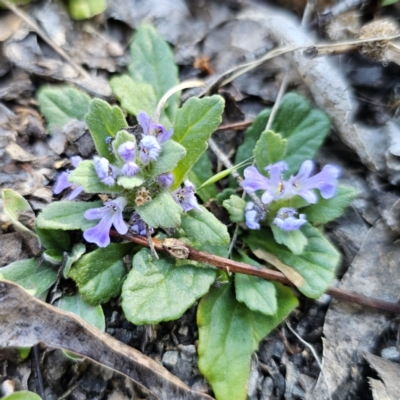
228	265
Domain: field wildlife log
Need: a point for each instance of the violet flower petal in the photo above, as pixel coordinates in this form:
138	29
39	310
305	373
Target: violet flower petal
287	221
254	180
62	183
144	120
75	193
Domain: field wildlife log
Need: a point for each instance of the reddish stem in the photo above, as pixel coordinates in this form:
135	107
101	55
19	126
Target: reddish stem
228	265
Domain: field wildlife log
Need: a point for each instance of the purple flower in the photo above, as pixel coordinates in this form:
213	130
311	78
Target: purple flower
62	182
127	151
166	180
144	120
185	197
149	149
104	170
149	128
274	186
130	169
286	220
138	226
325	181
253	215
161	133
110	214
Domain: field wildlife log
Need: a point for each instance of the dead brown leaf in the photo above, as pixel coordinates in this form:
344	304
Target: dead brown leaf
26	321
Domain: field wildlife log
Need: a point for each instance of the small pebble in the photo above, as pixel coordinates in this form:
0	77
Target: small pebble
391	353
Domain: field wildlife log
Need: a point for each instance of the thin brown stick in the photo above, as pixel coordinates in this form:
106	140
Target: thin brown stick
228	265
236	126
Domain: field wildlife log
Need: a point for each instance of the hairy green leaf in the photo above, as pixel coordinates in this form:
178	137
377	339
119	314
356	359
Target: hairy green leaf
304	128
101	273
130	182
193	126
153	62
93	315
134	96
205	227
235	206
270	148
53	239
15	206
229	333
311	271
66	215
85	175
171	153
251	136
61	104
85	9
104	121
158	290
293	240
32	275
329	209
77	252
258	294
161	211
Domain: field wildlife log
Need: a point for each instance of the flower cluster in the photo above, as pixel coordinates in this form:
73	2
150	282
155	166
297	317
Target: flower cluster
132	159
276	188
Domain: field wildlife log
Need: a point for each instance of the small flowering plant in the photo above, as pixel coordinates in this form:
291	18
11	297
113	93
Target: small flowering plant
142	181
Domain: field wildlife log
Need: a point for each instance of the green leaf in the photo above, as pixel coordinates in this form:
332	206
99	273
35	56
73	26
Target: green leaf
224	195
389	2
32	275
161	211
61	104
229	333
77	252
199	173
193	126
235	206
258	294
85	9
23	352
295	241
251	136
134	96
311	271
53	239
205	227
93	315
100	274
171	153
130	182
66	215
85	175
104	121
304	128
153	62
15	206
158	290
53	257
329	209
270	148
22	395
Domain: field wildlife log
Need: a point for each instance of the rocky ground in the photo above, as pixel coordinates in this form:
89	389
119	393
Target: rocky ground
359	346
